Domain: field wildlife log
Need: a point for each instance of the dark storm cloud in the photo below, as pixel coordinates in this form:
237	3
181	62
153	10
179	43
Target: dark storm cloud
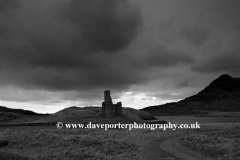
107	25
7	9
224	21
196	36
115	75
184	83
5	5
66	36
223	13
68	45
224	63
161	56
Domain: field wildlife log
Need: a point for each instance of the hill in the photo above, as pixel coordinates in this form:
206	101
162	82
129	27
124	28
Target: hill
221	95
72	115
94	115
19	111
10	115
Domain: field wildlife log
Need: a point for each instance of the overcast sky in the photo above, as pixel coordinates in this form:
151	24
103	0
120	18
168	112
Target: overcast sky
60	53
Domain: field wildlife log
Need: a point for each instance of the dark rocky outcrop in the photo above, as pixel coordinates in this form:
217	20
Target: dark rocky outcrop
223	94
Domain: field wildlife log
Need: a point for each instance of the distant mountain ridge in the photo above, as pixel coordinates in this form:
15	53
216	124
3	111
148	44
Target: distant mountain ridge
223	94
20	111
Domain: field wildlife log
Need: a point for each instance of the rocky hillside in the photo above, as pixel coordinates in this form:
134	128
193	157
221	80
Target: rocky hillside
223	95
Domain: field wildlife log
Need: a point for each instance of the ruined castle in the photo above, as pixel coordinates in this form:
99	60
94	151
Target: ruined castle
108	108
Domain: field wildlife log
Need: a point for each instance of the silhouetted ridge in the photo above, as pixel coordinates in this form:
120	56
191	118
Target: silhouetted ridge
20	111
224	77
222	94
224	83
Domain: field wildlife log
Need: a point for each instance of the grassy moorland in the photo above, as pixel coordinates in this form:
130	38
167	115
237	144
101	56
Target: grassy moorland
221	145
117	144
137	144
80	144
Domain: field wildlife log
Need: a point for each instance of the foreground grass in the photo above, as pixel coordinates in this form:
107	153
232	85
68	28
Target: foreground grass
75	144
79	144
222	145
10	156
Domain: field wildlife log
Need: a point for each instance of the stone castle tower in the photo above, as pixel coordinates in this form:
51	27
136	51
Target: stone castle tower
108	108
